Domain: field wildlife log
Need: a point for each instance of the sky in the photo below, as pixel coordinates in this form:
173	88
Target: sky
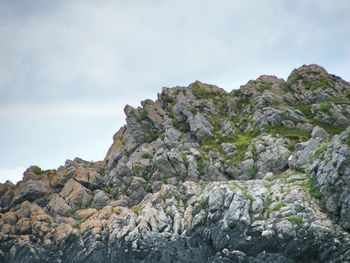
68	68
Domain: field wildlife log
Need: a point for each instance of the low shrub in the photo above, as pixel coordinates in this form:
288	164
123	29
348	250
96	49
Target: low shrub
37	170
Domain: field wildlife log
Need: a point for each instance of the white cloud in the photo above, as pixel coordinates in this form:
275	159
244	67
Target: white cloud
14	175
62	110
85	49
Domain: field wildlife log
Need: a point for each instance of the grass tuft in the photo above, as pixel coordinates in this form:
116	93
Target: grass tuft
320	150
202	203
136	209
201	166
325	106
276	207
143	115
79	221
311	186
295	220
147	155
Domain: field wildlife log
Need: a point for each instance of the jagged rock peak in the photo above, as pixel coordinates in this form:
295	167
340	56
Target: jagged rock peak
312	71
259	174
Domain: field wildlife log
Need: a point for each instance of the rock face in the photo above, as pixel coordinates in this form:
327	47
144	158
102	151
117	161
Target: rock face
260	174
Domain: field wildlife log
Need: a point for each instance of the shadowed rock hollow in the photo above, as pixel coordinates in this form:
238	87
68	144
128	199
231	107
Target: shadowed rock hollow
259	174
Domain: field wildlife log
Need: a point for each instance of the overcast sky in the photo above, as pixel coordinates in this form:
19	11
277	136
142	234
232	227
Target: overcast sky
67	68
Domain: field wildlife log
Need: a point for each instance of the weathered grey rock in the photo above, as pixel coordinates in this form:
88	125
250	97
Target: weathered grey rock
200	126
90	179
30	190
339	113
169	164
172	137
6	196
267	117
248	169
332	170
318	132
233	172
177	163
76	195
101	199
216	199
273	117
59	205
271	154
192	168
228	147
301	159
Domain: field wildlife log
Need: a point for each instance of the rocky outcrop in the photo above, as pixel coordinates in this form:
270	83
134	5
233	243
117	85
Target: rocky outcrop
259	174
331	171
248	219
